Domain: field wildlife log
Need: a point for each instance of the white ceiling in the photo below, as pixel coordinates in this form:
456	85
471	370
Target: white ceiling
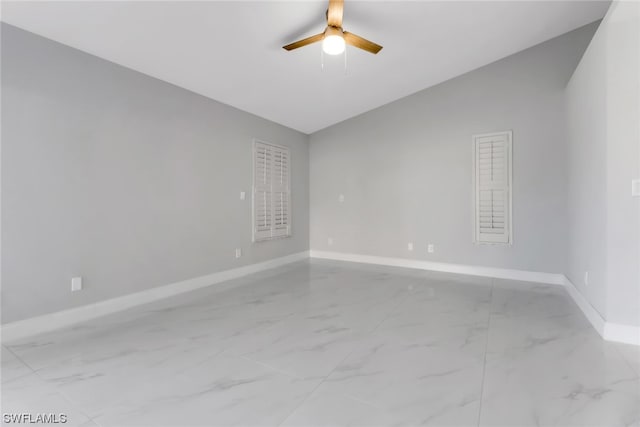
231	51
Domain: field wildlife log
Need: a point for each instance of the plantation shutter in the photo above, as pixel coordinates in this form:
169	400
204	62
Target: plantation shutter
271	192
493	188
262	197
280	193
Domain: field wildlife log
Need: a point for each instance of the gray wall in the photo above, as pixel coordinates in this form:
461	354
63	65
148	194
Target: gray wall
405	169
603	134
123	179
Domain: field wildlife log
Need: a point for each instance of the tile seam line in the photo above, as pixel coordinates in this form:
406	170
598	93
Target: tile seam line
486	346
55	387
398	304
623	357
19	358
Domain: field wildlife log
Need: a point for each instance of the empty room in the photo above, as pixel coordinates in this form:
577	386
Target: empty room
320	213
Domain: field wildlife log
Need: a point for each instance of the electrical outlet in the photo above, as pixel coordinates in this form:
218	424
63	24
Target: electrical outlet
431	248
409	246
243	195
238	253
329	241
586	278
635	187
341	198
76	284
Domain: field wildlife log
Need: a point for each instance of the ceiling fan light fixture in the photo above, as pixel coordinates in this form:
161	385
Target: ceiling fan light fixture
333	42
334	38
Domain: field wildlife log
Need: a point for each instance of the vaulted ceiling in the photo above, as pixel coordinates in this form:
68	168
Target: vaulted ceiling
232	51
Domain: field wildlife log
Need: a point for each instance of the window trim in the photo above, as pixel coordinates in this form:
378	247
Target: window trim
509	161
289	233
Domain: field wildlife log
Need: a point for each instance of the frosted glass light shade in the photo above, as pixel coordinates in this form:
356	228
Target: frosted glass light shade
333	45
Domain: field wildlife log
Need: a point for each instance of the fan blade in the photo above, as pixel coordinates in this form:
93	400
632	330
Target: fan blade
304	42
334	13
361	43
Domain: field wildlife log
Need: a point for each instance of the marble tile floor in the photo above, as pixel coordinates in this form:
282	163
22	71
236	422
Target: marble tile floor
320	343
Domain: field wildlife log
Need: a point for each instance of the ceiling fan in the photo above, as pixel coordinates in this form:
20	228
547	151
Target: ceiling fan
334	37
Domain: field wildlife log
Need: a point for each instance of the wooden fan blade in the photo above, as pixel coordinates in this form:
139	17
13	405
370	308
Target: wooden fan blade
361	43
304	42
334	13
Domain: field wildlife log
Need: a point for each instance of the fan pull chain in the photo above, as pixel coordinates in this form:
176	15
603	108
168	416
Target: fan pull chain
345	61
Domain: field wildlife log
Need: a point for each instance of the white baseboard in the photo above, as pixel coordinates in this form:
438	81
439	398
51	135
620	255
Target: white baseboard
609	331
592	315
15	330
49	322
471	270
626	334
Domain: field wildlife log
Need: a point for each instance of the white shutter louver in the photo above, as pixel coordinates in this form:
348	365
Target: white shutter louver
493	188
281	193
262	197
271	192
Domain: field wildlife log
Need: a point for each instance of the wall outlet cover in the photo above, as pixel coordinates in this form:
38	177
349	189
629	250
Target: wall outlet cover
410	246
76	284
431	248
238	253
243	195
586	278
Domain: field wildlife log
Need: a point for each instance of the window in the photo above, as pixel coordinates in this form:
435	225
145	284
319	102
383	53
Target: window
492	182
271	191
